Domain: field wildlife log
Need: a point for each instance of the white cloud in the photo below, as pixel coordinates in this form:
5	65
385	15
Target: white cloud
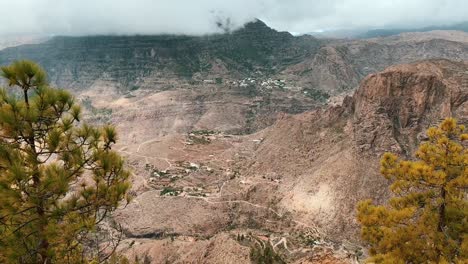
78	17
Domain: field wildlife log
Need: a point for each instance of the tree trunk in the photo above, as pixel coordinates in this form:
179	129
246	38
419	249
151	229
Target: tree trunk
441	225
43	246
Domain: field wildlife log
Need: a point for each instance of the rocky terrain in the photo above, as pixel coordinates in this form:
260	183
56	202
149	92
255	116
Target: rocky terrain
294	184
256	139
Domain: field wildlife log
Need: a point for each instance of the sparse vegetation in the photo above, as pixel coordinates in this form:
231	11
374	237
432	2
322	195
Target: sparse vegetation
205	132
263	253
169	191
308	239
101	114
316	94
202	137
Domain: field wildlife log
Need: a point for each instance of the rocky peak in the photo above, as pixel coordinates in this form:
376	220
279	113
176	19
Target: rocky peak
259	27
256	25
393	107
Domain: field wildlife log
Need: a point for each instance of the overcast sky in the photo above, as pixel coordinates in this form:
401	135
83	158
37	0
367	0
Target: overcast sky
82	17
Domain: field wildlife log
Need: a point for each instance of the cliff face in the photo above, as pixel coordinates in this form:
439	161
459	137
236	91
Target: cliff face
402	101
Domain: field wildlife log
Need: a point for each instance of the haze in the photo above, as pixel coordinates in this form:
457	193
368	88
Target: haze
90	17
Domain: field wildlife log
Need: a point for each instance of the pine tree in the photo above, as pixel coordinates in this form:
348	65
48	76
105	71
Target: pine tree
58	179
426	220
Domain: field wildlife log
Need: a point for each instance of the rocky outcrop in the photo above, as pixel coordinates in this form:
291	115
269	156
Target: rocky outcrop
392	107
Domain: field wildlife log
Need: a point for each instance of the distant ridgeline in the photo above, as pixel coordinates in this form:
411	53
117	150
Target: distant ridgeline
395	31
79	61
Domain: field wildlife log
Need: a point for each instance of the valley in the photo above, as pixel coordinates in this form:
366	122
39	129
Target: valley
256	137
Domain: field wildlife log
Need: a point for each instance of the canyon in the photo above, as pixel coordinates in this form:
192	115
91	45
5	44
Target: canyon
256	136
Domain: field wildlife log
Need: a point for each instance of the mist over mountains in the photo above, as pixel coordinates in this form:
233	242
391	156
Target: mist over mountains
119	17
241	137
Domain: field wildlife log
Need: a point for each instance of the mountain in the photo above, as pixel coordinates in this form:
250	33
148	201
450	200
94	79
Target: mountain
252	137
317	66
327	159
127	60
256	72
189	68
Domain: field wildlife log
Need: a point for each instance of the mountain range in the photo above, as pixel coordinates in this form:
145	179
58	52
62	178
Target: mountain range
256	136
385	32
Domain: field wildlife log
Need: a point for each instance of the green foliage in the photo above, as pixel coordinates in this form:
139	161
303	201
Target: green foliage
205	132
201	136
184	70
24	74
316	95
169	191
426	220
58	179
265	254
